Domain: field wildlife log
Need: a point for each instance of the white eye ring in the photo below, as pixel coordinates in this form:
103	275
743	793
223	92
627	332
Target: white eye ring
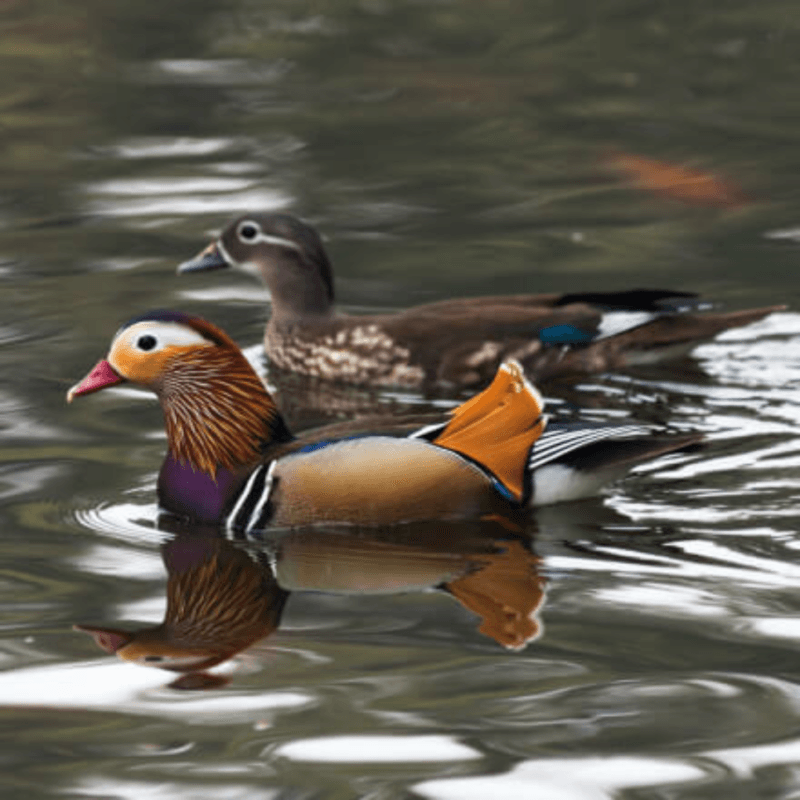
248	232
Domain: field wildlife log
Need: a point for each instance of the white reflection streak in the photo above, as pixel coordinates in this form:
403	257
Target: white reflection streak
593	778
116	687
243	293
215	72
151	609
775	627
170	185
760	572
767	567
141	790
693	602
773	456
781	324
122	562
742	761
262	199
156	147
765	354
378	749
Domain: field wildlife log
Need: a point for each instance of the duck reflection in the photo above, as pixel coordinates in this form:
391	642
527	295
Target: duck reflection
224	596
219	602
487	566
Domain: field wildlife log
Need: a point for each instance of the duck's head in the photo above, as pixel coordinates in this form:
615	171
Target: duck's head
216	408
286	252
150	349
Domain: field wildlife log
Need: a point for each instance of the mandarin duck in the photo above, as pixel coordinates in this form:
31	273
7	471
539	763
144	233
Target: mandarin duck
231	459
452	343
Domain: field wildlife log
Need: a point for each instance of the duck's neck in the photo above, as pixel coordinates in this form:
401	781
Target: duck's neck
299	290
220	420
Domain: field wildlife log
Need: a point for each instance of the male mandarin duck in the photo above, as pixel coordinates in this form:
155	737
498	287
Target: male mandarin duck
451	343
231	459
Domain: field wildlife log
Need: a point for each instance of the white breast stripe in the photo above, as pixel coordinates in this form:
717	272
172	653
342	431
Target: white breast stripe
255	517
614	322
556	443
243	497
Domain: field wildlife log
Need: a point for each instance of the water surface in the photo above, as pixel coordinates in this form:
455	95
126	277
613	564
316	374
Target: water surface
640	644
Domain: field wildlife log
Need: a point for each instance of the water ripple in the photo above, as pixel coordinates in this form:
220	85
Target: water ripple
126	522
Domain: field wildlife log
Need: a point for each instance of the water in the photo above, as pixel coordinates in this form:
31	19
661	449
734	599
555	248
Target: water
641	644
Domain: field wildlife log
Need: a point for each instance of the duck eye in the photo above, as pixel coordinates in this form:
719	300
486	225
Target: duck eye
146	342
248	231
152	659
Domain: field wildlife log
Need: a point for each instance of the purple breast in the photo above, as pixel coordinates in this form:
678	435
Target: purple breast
190	493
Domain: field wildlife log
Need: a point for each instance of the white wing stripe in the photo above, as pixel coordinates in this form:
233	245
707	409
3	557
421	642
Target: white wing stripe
560	442
571	438
613	323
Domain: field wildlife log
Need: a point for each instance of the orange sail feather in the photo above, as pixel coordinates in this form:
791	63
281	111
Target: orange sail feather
498	427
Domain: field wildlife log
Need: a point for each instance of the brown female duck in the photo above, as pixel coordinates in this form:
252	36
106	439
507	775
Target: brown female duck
450	343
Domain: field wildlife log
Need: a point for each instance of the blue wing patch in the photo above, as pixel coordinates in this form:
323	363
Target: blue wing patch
564	334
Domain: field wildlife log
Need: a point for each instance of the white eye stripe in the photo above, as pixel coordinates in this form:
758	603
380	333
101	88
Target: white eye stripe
259	238
164	333
265	238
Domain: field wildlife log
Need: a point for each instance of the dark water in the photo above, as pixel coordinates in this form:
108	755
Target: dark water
443	148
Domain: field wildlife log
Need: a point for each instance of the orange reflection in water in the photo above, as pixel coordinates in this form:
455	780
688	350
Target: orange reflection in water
662	178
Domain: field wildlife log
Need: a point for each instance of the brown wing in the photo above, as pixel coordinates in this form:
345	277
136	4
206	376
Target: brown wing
466	348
